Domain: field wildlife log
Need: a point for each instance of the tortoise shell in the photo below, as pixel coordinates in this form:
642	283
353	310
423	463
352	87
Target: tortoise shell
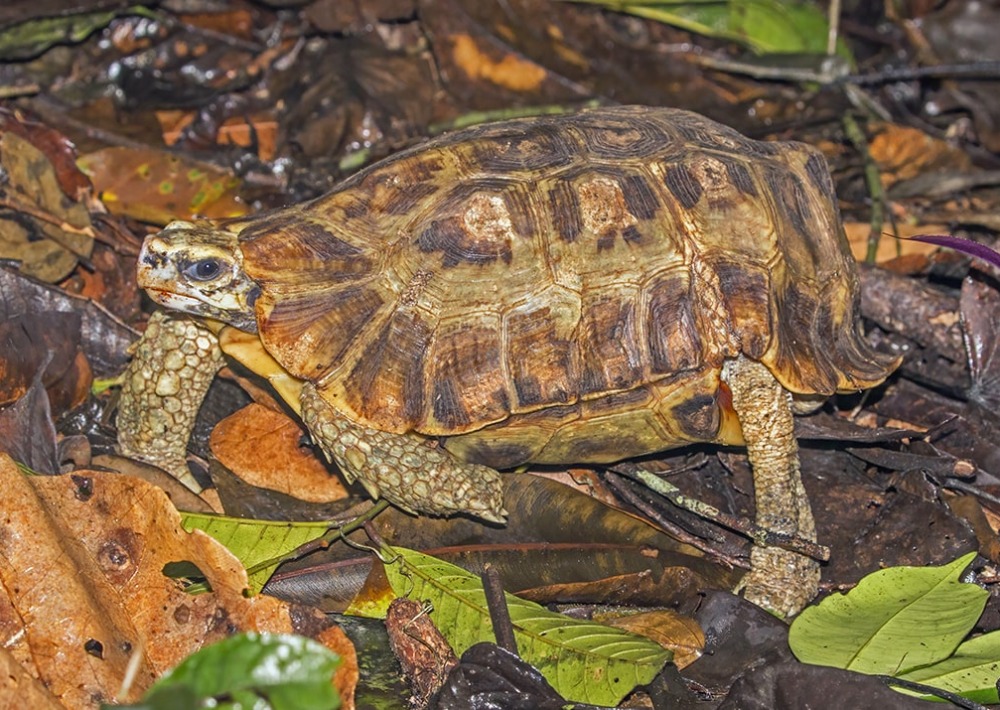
566	288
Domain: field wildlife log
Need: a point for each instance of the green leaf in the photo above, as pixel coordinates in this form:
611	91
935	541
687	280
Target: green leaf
765	26
895	620
972	671
584	661
258	671
259	544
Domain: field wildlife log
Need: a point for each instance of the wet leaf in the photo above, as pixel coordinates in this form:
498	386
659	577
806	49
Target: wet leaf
45	342
979	307
103	337
35	35
490	677
27	434
763	25
584	661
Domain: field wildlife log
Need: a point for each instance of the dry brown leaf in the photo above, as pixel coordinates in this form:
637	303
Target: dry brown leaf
902	153
19	689
671	630
261	446
81	562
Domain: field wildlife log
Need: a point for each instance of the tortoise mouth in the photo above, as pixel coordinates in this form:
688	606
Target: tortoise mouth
194	306
177	301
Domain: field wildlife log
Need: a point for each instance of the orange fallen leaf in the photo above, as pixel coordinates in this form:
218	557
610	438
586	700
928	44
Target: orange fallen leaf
510	72
261	446
902	152
154	186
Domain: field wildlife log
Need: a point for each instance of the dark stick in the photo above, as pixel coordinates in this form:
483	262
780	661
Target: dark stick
503	629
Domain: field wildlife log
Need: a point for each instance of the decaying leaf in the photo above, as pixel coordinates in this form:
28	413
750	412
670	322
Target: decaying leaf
39	226
979	306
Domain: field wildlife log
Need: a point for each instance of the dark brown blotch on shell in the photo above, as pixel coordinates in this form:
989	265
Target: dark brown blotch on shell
799	356
819	173
450	237
682	185
740	176
674	341
698	417
747	293
610	354
564	211
284	250
640	198
497	453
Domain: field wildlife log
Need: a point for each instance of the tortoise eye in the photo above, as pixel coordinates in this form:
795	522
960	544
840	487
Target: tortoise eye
203	269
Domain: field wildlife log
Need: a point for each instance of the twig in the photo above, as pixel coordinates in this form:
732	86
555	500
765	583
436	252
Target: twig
760	536
324	541
874	183
496	602
616	482
931	690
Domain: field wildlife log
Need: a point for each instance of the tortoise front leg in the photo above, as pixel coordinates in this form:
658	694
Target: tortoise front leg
174	364
779	580
408	470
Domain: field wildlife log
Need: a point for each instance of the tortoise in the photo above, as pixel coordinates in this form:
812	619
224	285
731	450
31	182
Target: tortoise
579	288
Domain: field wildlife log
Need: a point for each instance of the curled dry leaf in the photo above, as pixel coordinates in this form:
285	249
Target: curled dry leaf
673	631
262	447
82	564
49	341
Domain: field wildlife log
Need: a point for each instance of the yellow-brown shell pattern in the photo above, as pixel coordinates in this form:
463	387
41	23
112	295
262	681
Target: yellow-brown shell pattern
564	269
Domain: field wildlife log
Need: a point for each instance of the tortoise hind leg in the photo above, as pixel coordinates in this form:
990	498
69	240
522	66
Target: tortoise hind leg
408	470
779	580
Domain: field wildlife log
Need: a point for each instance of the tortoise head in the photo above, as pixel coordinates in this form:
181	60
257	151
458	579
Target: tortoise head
198	269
